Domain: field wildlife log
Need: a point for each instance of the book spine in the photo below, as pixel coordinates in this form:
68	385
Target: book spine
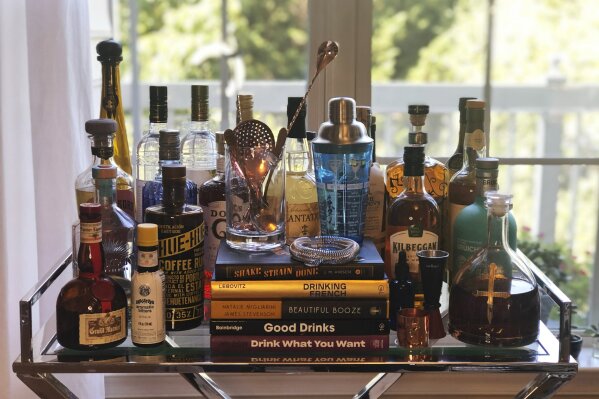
278	289
293	309
300	272
275	359
299	327
286	343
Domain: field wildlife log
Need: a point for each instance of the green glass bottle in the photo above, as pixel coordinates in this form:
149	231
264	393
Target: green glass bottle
470	228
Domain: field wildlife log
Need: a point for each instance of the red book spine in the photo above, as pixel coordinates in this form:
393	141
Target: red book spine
292	343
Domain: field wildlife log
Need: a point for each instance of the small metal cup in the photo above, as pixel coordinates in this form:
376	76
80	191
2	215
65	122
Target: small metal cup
412	328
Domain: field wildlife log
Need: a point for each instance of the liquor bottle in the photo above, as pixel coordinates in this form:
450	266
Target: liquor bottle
342	157
456	161
147	297
470	228
168	154
148	147
302	217
494	298
198	147
374	228
180	246
118	229
401	291
91	310
462	186
101	135
413	217
110	55
211	196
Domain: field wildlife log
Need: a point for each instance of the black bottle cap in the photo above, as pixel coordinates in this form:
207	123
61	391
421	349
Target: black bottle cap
298	130
414	161
90	211
102	126
158	104
462	107
418	109
109	51
169	143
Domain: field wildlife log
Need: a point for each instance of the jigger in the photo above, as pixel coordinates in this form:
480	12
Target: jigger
432	266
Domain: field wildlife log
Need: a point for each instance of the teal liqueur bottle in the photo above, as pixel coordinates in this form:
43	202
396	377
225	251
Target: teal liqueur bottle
470	228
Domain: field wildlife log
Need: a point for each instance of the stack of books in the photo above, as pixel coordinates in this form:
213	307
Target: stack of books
270	302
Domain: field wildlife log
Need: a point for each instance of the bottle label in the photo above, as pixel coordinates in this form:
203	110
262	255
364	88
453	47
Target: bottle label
102	328
436	180
125	200
139	211
91	233
411	239
475	139
215	218
147	307
464	249
302	221
147	258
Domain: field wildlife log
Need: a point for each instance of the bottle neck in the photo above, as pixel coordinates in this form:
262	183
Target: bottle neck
110	100
475	145
199	126
484	185
498	226
106	191
220	165
414	184
156	127
460	148
298	155
90	258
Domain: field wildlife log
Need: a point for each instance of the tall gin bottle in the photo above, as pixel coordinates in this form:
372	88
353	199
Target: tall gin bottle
413	217
148	147
302	217
91	310
101	135
470	228
180	251
198	147
456	161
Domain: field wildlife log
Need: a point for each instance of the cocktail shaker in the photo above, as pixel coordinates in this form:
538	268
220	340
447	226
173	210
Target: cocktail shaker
342	158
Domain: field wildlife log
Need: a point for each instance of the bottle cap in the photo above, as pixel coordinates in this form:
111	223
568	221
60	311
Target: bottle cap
298	130
364	115
418	114
103	126
104	172
487	163
475	104
109	51
497	203
462	107
414	161
220	143
418	138
147	235
169	143
158	104
174	172
245	107
199	103
90	210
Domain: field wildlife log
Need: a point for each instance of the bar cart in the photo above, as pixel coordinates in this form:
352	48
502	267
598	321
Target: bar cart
188	354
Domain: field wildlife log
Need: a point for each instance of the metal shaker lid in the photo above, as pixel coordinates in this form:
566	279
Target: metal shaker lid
342	128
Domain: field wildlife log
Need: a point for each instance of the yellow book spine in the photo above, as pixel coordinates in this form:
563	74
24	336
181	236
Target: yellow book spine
300	289
246	310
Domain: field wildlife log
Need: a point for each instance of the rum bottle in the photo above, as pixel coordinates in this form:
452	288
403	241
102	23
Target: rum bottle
413	217
494	299
198	147
302	216
101	135
180	251
470	228
456	161
148	160
91	310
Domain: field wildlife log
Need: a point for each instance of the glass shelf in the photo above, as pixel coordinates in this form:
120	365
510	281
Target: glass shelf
188	353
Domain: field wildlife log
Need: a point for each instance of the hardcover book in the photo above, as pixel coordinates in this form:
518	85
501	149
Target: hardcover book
299	327
278	265
293	343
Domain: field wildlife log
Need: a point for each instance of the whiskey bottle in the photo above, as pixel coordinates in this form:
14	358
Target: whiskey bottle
413	217
374	227
118	229
456	161
101	135
462	186
302	216
148	164
91	310
180	246
494	298
147	298
470	228
168	154
110	55
211	196
198	147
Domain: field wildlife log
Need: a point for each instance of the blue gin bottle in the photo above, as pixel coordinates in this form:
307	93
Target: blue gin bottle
342	159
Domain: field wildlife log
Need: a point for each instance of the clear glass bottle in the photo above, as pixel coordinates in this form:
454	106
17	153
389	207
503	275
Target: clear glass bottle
342	158
91	310
101	136
412	219
118	229
147	296
494	298
148	160
181	241
169	154
110	55
198	147
470	228
302	218
211	197
456	161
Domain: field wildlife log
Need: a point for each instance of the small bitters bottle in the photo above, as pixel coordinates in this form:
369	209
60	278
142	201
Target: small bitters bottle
401	291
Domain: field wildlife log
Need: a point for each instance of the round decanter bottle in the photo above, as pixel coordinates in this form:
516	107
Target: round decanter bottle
494	298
